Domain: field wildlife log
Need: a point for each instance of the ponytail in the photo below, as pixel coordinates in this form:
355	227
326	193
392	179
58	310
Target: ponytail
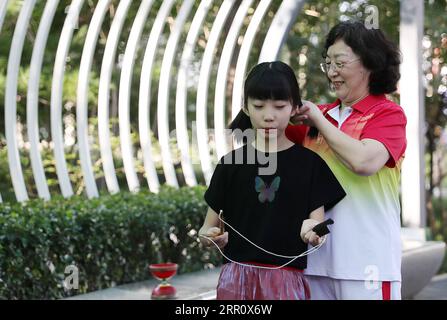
238	126
242	122
312	133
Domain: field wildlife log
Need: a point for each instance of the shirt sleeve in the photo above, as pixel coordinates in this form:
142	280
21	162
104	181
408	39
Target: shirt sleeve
325	189
388	127
296	134
215	194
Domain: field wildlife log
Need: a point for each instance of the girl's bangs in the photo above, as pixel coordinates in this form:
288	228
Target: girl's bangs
269	85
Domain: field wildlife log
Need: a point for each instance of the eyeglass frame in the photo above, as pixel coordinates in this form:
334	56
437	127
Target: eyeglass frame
332	64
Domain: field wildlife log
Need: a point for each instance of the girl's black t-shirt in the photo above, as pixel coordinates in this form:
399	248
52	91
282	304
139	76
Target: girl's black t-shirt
269	208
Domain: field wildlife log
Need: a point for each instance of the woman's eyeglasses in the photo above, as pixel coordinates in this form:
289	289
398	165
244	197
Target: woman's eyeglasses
337	66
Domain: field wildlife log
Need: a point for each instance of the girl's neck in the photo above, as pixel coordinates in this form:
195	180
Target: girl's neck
282	143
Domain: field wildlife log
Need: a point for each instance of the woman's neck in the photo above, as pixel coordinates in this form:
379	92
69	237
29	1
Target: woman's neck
351	103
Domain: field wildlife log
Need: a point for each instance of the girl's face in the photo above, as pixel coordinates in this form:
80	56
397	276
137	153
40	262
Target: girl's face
267	115
346	72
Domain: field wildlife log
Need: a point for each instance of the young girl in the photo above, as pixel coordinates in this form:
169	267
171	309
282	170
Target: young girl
268	209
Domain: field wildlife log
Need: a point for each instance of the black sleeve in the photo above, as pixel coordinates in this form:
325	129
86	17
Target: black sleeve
326	190
215	194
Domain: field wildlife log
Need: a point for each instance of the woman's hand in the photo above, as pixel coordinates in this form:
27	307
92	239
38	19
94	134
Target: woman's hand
307	235
308	114
215	234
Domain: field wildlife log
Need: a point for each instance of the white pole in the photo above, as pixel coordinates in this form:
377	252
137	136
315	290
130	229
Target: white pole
412	100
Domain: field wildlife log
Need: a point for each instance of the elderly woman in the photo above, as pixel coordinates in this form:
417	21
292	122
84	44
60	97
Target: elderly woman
361	136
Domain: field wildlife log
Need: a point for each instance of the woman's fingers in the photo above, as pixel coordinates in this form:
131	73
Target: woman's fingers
308	104
303	108
301	118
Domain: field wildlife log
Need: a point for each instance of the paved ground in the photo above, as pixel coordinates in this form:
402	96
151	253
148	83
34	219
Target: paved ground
192	286
435	290
204	283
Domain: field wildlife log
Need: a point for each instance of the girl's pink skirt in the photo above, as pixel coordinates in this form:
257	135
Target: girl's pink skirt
238	282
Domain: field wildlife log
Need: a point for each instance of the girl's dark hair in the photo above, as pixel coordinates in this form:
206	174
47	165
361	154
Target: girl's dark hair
377	53
268	80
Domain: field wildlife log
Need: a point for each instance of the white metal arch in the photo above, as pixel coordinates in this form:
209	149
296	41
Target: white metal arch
202	90
82	97
279	29
129	56
222	74
281	24
145	93
3	6
15	54
57	84
33	96
163	93
181	95
244	54
104	95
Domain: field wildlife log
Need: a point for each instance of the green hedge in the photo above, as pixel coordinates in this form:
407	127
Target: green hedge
110	239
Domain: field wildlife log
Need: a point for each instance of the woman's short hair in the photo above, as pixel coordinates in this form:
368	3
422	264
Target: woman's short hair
377	53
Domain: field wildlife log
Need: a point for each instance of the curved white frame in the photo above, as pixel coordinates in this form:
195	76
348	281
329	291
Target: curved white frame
163	93
124	110
202	90
222	76
145	92
104	96
129	56
181	94
82	97
57	94
15	55
32	104
275	38
244	54
3	6
279	29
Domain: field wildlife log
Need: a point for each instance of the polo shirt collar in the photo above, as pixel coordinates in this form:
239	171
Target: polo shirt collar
363	105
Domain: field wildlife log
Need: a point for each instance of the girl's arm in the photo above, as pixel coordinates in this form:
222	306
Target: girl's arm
211	230
309	236
363	157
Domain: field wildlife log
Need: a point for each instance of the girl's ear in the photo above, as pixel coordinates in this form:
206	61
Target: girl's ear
294	111
245	111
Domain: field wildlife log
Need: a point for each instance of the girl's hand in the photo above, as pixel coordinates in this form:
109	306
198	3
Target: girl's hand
215	234
308	114
307	235
312	238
